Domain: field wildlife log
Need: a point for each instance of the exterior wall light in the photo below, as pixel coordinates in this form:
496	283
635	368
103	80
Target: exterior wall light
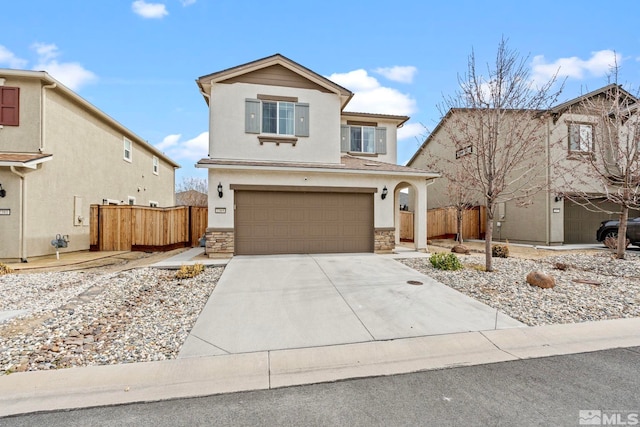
220	190
384	193
3	192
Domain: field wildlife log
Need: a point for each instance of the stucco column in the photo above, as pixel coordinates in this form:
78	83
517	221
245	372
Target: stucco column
420	218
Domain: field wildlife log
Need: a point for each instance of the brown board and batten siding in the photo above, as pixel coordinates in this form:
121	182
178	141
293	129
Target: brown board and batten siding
294	222
276	75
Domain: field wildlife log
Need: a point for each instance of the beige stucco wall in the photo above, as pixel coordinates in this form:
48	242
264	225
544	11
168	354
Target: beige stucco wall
10	224
228	140
87	167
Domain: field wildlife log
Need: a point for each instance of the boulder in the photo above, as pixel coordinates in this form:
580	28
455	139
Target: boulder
540	279
460	249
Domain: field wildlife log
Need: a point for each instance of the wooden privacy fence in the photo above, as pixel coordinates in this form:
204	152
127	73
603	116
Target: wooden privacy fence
441	223
143	228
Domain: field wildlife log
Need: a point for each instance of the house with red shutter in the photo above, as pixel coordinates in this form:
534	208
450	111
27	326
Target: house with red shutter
58	155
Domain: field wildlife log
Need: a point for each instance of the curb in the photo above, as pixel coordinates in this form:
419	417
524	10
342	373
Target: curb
92	386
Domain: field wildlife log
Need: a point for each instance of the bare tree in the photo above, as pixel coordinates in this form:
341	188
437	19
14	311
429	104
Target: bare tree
496	125
605	150
192	191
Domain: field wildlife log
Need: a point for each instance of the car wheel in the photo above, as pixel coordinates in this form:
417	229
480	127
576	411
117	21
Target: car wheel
611	233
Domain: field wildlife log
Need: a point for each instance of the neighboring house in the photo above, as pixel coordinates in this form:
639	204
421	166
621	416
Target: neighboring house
58	155
191	198
291	172
550	218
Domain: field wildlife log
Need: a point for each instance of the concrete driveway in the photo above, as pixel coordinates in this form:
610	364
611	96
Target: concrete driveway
294	301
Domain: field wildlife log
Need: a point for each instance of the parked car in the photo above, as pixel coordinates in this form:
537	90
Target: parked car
609	228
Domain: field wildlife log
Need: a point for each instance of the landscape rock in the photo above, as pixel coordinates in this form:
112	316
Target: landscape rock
541	280
460	249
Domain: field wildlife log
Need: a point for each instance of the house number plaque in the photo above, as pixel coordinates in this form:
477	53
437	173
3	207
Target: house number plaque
220	210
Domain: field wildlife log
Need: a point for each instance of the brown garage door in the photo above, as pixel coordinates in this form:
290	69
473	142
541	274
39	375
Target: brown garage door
580	225
274	222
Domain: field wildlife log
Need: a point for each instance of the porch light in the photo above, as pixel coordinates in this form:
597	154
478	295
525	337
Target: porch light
3	192
384	193
220	190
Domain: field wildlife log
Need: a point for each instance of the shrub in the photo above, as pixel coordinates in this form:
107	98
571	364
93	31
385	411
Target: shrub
445	261
5	269
500	251
189	271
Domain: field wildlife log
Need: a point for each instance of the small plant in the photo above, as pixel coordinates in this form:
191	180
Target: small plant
5	269
445	261
189	271
612	242
500	251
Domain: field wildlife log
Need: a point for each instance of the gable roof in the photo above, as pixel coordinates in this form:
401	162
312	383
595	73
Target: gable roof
556	111
400	120
205	82
46	78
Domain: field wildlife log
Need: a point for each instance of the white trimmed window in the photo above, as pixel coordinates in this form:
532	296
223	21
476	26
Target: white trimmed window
128	149
131	200
363	139
276	117
156	165
580	138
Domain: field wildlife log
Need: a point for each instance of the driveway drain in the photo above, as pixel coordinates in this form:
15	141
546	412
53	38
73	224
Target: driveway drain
414	282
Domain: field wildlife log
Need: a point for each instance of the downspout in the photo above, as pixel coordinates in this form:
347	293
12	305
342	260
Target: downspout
23	214
43	115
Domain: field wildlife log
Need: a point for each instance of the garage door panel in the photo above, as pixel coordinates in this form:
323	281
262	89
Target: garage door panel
580	224
293	222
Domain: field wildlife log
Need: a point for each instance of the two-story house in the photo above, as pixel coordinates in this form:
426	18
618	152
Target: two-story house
58	155
548	218
291	172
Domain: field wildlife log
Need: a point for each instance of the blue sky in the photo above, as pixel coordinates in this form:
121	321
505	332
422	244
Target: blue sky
138	60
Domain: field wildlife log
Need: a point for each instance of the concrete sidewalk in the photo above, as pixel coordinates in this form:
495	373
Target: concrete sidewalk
200	376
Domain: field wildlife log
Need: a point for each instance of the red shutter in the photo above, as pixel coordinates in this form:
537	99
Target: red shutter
9	106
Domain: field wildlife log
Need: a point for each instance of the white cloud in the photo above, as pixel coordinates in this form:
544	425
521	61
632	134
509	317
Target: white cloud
598	65
186	3
190	150
412	130
7	57
71	74
402	74
371	97
149	10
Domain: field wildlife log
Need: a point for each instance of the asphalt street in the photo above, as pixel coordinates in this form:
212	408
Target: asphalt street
601	386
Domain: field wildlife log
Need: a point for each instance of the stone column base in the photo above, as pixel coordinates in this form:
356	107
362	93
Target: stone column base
219	242
384	240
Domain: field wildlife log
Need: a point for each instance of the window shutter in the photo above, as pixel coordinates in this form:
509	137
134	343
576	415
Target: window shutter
252	116
302	120
381	140
10	106
345	142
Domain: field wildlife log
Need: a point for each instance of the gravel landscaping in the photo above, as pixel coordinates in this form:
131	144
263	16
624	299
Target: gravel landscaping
93	318
593	286
98	317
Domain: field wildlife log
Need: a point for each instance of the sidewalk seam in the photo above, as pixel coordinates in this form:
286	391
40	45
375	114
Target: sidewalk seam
498	347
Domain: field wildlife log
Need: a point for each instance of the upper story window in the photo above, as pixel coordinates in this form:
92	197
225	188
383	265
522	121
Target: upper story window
580	138
276	115
128	148
9	106
363	139
156	165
